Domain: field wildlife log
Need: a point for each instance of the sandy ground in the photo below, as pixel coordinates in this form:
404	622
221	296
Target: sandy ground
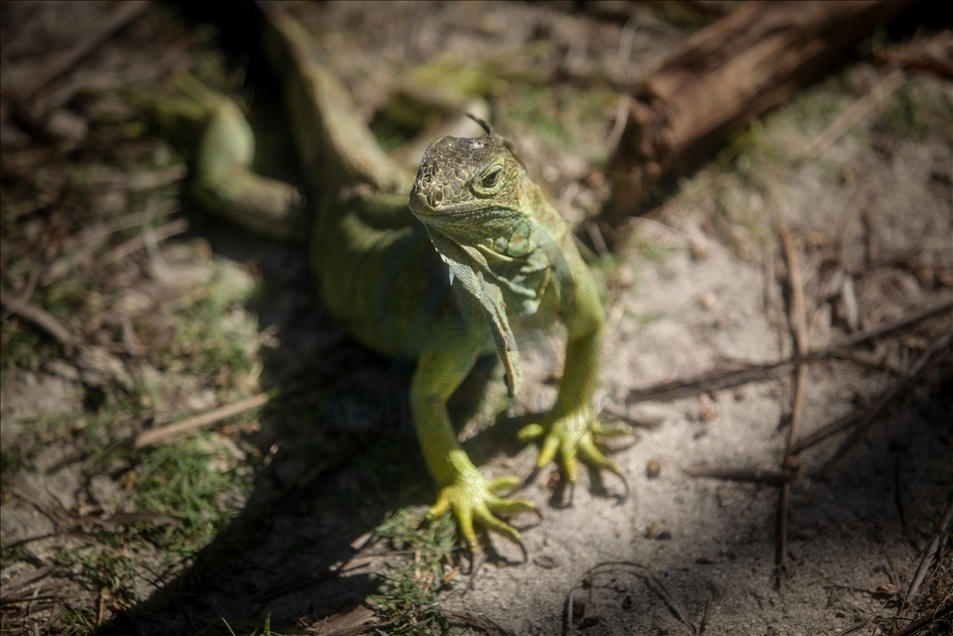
698	286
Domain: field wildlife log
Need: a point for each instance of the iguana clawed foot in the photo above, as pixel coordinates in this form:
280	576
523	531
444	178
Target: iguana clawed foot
572	436
471	497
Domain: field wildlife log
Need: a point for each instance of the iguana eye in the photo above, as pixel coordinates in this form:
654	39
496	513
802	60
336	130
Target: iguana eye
490	179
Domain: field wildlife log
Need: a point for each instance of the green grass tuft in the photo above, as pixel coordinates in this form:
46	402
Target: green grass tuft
412	585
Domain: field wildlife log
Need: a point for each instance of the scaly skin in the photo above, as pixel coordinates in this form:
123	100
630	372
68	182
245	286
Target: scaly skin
502	252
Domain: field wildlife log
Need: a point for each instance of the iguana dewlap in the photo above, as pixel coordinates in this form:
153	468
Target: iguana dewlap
437	280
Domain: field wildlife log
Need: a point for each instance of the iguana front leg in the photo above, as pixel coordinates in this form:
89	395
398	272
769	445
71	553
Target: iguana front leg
441	367
570	427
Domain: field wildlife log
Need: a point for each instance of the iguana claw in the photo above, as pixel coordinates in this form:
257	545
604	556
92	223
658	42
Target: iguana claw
471	498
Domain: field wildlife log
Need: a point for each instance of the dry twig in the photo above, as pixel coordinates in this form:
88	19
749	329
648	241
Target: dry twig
835	427
930	553
480	622
719	379
26	87
751	475
625	60
799	327
135	182
38	316
926	621
27	579
155	435
135	244
921	365
858	112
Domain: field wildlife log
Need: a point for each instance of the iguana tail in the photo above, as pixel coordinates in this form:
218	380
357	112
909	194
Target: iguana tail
334	143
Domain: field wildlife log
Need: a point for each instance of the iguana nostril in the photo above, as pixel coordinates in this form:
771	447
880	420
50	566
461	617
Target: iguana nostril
419	204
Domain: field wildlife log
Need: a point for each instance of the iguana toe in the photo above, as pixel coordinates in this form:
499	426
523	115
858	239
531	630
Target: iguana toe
530	432
548	452
590	454
503	483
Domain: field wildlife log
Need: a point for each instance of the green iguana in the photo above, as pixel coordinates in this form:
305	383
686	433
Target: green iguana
436	280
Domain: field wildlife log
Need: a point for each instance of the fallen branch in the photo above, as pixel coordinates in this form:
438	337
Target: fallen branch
724	76
200	421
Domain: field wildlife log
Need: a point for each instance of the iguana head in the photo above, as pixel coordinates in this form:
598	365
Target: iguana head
483	215
471	190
